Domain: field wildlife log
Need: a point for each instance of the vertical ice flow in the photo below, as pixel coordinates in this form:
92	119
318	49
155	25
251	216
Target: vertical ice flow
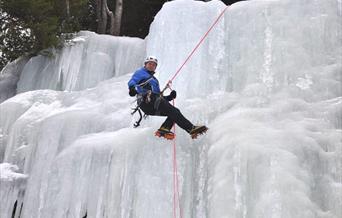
267	81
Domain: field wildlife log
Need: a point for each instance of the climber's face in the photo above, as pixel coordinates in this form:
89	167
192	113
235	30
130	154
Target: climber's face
150	66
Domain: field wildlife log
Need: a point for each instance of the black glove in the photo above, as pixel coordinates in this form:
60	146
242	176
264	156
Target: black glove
172	95
132	91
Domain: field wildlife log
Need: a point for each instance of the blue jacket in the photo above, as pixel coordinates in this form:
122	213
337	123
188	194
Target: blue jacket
141	76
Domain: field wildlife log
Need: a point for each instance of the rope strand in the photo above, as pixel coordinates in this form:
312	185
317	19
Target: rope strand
198	44
176	200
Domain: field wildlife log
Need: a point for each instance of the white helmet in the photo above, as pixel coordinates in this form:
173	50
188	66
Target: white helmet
151	59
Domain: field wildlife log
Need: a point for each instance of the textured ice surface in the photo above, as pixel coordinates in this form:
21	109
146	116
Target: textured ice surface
9	77
85	61
12	184
267	82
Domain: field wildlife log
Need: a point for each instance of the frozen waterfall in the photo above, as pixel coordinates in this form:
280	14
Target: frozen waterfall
72	67
267	82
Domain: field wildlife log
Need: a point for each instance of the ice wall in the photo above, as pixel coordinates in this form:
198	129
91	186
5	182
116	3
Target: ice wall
267	82
277	43
9	77
84	62
206	67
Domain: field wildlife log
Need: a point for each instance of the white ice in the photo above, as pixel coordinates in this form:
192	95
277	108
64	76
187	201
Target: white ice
267	82
82	63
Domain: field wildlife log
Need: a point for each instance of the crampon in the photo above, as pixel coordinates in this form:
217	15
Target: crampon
198	130
165	133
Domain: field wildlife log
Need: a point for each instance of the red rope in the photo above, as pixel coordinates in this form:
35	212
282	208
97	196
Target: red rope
176	200
198	44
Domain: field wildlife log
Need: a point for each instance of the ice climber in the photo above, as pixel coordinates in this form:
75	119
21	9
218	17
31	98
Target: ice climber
152	102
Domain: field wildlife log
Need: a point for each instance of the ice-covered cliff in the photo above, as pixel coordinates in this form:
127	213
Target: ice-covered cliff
82	63
267	81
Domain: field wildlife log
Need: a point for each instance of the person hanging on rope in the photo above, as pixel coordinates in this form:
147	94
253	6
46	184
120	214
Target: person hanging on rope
152	102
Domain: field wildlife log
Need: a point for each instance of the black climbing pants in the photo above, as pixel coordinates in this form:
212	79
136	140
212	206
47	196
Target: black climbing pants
159	106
